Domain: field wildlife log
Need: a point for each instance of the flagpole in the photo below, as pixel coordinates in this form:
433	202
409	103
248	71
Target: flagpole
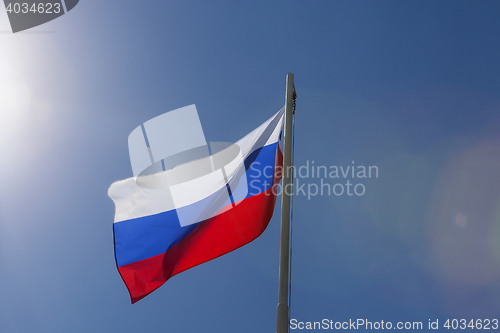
283	312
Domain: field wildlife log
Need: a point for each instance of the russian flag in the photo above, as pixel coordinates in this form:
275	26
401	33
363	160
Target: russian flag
160	231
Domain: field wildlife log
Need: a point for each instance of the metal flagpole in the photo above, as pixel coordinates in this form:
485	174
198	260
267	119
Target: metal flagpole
283	315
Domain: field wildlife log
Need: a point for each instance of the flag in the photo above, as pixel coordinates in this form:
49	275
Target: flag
161	231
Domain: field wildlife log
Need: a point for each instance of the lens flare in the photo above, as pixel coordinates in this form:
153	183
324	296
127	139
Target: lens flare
461	220
464	216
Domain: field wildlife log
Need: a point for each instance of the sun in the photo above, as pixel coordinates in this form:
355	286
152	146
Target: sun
14	102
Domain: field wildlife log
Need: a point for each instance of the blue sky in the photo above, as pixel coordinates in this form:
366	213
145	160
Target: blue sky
410	87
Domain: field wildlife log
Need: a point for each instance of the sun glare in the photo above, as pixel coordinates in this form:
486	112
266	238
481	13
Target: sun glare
14	102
